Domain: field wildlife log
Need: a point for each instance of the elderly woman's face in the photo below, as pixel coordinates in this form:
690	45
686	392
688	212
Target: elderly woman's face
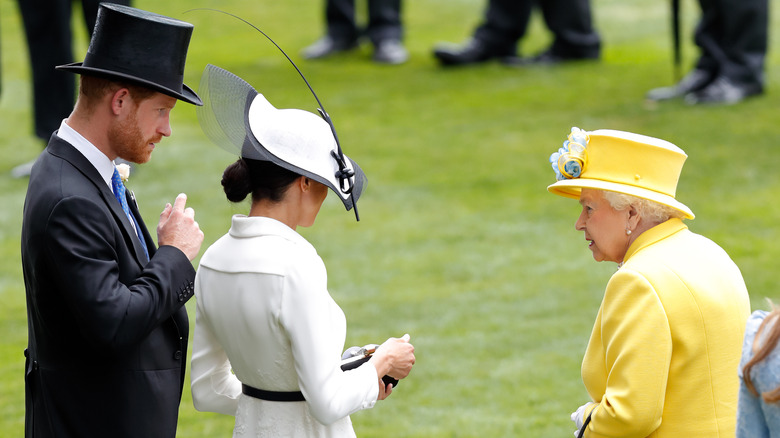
604	227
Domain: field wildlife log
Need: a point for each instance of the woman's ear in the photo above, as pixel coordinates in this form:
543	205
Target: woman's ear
305	184
633	217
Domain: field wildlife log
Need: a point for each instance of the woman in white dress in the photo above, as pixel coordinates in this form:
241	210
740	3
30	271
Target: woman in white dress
268	335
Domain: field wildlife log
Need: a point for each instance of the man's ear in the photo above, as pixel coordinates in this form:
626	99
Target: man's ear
120	101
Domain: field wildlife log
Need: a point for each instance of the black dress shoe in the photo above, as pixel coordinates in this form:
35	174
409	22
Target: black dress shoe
722	91
390	51
693	81
548	57
472	52
327	46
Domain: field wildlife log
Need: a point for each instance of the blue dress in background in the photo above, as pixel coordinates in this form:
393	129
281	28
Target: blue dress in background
755	417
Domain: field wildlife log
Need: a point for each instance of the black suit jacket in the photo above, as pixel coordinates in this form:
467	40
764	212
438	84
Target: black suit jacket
107	330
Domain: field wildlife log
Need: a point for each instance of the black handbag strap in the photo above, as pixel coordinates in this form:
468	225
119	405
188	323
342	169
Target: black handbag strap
584	426
277	396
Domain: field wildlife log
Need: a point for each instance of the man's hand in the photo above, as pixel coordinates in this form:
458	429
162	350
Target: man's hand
178	228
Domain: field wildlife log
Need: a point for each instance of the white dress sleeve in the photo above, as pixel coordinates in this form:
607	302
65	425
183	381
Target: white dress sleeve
214	386
316	327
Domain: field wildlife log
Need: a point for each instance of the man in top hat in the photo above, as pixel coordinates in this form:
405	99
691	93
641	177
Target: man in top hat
106	319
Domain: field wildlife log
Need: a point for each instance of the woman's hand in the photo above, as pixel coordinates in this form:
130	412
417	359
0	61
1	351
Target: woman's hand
578	417
394	358
385	389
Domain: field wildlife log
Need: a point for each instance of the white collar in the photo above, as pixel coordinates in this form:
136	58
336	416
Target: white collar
243	226
99	160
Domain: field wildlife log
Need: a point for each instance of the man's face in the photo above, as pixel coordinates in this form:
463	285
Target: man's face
134	135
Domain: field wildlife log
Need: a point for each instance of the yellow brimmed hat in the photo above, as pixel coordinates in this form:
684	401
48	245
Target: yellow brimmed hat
622	162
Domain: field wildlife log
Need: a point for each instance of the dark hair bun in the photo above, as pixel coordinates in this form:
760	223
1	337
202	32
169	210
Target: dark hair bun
236	181
263	179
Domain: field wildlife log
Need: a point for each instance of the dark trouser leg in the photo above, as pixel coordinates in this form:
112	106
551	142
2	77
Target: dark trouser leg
47	27
506	21
1	71
340	16
732	36
571	23
384	20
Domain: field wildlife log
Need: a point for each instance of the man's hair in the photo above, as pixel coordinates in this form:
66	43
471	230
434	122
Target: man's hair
648	210
93	88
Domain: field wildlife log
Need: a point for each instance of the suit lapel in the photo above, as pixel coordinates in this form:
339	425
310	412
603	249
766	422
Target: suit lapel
131	202
60	148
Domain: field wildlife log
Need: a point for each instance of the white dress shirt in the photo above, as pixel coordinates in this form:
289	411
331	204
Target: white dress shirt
263	311
104	166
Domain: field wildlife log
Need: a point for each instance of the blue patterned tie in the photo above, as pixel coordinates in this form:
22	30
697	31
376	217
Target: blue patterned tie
119	192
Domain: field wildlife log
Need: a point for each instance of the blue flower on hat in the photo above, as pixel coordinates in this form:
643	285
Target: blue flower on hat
571	159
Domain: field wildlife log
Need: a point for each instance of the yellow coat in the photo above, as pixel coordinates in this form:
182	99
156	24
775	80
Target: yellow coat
662	359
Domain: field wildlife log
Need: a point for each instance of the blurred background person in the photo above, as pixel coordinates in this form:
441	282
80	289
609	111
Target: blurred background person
268	335
758	410
666	341
732	36
47	26
1	69
383	29
506	22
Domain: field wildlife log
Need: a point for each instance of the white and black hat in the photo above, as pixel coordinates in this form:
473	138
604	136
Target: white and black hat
240	120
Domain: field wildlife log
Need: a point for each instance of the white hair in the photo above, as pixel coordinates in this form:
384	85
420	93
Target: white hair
648	210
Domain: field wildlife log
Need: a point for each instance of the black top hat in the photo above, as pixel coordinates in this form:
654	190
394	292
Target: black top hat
140	47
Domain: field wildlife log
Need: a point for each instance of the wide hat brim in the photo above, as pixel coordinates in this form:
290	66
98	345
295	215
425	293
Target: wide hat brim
572	188
240	120
186	94
302	142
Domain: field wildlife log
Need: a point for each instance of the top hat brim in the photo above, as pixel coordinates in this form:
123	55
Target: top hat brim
186	95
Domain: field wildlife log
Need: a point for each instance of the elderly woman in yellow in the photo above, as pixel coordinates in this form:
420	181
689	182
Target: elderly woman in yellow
663	354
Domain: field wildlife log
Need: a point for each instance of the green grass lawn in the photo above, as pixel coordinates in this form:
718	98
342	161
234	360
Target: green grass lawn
459	243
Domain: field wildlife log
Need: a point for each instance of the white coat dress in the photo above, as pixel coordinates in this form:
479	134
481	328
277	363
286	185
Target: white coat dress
264	317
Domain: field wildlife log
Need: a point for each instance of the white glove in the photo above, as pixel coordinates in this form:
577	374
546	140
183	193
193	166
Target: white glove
578	416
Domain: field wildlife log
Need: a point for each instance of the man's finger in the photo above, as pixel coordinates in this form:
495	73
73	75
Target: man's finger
180	202
166	212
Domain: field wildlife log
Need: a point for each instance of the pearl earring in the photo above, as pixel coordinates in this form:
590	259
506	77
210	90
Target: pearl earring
628	232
